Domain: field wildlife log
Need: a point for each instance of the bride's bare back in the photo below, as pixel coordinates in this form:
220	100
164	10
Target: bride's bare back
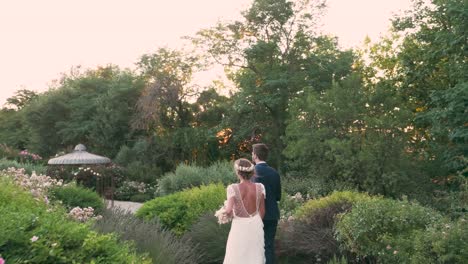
247	199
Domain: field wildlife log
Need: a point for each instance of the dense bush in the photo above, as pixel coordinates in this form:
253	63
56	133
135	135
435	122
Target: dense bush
289	204
134	191
444	242
188	176
210	238
180	210
149	236
32	233
375	227
73	196
139	162
336	197
29	167
304	184
309	236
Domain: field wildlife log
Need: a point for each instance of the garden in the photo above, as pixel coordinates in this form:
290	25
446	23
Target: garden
370	144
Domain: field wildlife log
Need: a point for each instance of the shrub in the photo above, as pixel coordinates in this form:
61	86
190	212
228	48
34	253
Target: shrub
28	167
33	233
134	191
188	176
77	196
336	197
180	210
305	185
445	242
289	204
373	227
309	236
140	198
148	236
7	152
210	238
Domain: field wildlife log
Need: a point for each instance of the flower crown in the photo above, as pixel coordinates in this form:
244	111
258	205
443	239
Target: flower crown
246	169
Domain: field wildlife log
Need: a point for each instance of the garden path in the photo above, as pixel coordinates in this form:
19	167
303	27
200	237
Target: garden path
129	206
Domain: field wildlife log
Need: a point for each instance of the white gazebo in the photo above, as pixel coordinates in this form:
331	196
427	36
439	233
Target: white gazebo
80	156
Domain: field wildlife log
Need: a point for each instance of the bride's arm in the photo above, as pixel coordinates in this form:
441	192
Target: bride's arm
229	206
262	206
230	200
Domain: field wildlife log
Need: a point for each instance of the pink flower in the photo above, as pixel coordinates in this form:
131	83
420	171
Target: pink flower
34	238
2	261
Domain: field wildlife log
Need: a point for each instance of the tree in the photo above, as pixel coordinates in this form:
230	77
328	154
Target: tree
21	99
273	57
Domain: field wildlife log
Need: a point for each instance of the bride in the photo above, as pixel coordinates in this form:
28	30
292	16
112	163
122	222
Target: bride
246	204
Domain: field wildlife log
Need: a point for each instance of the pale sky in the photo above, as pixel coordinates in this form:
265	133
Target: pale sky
40	39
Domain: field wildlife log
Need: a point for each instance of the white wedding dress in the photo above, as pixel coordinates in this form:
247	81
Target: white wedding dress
245	244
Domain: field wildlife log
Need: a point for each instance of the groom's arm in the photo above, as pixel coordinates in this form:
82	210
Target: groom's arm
278	196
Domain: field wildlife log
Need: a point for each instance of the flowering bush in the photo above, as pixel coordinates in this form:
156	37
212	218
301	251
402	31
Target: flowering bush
83	214
32	232
289	204
38	185
28	156
130	189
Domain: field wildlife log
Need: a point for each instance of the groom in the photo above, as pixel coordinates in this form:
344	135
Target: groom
268	176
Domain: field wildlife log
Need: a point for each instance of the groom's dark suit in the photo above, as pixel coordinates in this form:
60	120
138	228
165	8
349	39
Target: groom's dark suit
267	176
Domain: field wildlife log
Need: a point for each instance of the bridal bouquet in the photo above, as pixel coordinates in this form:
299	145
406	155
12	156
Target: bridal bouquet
222	216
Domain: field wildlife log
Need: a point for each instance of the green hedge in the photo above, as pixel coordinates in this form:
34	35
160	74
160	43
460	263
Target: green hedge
188	176
73	195
180	210
59	239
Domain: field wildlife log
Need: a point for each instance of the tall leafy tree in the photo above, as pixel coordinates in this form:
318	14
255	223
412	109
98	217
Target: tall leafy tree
273	56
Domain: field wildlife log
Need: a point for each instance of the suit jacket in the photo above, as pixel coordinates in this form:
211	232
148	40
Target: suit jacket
268	176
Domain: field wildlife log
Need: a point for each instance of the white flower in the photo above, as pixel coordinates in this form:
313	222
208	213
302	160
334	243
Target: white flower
396	109
54	244
34	238
367	105
222	216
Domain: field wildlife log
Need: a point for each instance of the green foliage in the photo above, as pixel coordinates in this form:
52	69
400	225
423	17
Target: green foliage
149	237
272	68
359	141
72	196
93	107
304	184
336	260
33	233
209	237
180	210
383	227
28	167
444	242
308	237
311	206
188	176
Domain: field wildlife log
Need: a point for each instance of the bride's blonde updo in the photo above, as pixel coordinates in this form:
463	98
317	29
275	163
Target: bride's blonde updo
244	168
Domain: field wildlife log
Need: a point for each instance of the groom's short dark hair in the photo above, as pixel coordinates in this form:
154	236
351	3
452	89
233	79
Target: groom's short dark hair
261	150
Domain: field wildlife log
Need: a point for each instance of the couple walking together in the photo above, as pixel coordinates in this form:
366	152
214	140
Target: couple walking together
253	204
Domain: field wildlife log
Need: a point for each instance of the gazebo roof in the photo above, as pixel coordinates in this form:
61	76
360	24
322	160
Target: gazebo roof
79	156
